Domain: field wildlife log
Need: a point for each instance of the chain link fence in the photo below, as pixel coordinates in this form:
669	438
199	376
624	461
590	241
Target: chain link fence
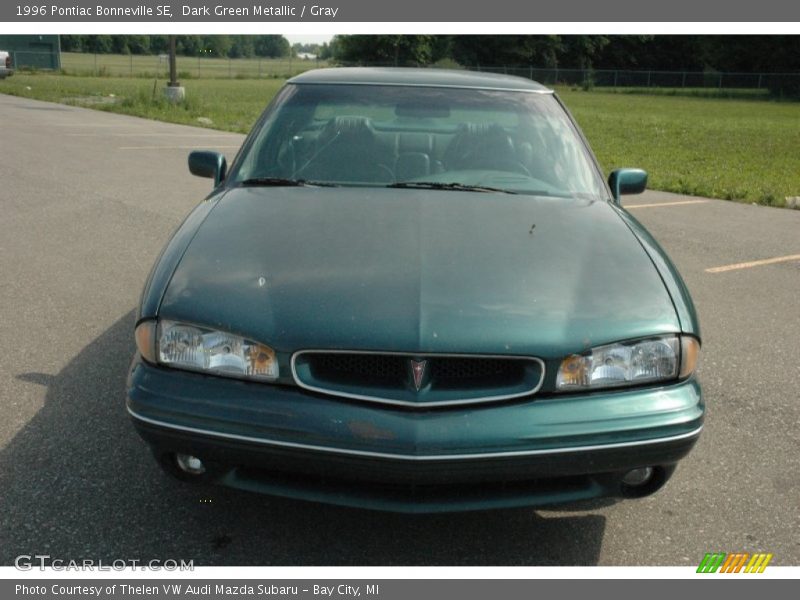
157	65
617	78
118	65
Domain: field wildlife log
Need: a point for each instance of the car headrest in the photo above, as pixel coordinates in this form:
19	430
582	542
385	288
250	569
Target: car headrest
351	126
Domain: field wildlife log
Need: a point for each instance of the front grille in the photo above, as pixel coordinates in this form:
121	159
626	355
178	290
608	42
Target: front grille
473	371
359	367
439	379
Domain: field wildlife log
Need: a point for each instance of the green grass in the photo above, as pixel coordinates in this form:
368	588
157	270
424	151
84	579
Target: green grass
130	65
706	92
745	150
231	105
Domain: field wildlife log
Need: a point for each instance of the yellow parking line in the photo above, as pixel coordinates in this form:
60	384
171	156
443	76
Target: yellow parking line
678	203
753	263
194	147
88	125
151	134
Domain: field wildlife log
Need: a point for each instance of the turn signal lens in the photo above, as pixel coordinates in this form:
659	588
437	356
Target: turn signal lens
145	334
690	353
573	372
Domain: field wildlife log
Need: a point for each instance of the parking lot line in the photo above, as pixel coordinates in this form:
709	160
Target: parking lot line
82	124
679	203
753	263
193	147
153	134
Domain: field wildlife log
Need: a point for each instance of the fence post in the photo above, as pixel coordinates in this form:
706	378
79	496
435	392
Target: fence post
530	72
760	75
648	79
683	79
720	81
615	78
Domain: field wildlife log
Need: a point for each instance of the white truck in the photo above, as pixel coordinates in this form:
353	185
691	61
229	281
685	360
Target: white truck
6	64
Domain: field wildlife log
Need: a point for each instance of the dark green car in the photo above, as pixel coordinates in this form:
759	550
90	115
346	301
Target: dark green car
414	291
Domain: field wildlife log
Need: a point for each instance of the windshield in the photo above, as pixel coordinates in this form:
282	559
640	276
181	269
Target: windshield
406	136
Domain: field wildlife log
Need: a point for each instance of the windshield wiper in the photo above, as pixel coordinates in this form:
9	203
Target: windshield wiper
282	181
435	185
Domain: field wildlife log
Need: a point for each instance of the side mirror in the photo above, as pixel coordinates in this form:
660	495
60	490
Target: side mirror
205	163
627	181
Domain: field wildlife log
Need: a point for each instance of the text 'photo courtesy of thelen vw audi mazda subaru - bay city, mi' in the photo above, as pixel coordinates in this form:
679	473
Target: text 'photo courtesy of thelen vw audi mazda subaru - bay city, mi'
414	291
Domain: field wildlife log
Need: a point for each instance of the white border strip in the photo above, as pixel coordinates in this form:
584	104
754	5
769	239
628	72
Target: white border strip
454	28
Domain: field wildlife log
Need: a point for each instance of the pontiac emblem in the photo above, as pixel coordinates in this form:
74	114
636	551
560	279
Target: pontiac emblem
418	370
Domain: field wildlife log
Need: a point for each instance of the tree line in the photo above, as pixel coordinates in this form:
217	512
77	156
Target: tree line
230	46
725	53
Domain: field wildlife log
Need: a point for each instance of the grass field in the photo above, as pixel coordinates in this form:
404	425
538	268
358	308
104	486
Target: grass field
689	92
119	65
742	150
231	105
745	150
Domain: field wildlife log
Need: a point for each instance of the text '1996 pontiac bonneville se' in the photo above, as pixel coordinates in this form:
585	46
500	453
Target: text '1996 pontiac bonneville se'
414	290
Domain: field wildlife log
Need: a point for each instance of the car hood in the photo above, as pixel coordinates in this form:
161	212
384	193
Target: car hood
418	271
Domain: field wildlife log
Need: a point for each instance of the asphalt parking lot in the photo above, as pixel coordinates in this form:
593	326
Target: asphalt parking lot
87	199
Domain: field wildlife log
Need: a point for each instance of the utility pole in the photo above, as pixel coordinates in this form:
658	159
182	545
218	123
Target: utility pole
173	69
174	92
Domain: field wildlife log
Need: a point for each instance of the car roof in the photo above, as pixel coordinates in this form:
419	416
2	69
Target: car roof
418	77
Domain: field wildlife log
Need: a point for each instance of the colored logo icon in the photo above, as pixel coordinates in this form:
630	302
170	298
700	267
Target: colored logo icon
737	562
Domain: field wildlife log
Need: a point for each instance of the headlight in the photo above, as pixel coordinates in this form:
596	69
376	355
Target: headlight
199	349
629	363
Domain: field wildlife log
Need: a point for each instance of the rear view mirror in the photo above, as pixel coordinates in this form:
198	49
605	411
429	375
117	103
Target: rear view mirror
205	163
627	181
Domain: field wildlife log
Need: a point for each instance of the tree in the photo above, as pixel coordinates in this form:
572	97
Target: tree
299	48
510	50
119	44
100	44
273	46
189	45
139	44
73	43
330	50
217	45
243	46
580	51
159	44
398	50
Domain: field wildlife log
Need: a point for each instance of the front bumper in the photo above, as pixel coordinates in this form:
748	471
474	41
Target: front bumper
287	441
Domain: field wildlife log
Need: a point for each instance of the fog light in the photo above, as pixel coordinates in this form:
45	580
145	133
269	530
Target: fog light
637	477
190	464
